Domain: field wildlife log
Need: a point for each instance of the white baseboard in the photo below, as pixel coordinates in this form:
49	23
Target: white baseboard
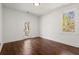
49	38
21	38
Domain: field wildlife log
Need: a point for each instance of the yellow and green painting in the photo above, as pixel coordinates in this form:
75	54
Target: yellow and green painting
68	24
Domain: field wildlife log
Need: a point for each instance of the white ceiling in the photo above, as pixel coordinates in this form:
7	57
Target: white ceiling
40	10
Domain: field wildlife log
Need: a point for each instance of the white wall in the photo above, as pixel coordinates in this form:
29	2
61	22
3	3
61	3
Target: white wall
13	24
0	22
51	26
0	26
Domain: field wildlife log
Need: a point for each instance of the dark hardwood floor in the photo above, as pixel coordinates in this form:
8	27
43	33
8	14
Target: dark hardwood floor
38	46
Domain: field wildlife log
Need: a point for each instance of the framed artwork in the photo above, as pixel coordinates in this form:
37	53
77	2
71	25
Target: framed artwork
68	24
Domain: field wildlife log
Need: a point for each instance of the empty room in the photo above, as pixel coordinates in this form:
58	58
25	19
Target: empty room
39	29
